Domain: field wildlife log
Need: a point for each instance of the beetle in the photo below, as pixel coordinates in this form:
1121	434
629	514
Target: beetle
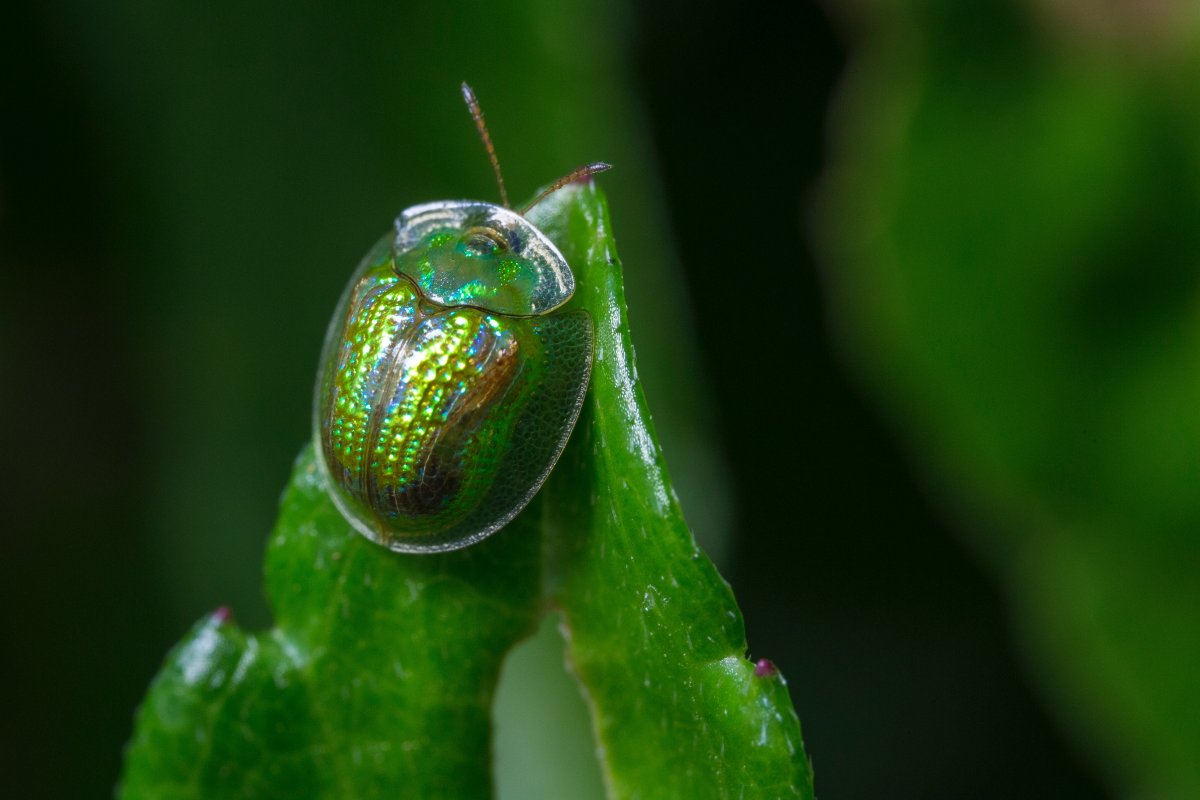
451	375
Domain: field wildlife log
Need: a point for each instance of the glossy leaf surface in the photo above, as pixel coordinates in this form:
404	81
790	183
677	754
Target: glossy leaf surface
653	630
377	680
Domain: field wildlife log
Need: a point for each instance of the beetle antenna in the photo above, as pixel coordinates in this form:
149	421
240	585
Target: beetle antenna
587	170
477	115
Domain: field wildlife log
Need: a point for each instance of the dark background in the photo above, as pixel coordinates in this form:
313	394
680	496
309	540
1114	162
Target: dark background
155	390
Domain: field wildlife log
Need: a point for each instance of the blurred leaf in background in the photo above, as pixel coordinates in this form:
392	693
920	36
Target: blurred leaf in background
1012	218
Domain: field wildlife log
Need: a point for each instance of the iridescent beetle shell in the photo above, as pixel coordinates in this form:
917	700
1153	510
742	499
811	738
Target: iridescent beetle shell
451	377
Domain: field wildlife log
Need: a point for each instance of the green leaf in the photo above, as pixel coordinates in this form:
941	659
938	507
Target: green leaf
378	679
653	631
1012	213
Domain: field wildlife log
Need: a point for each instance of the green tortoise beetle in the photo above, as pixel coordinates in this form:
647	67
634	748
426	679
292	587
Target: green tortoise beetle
451	377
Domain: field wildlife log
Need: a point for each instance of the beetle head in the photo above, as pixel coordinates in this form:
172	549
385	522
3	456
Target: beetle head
470	253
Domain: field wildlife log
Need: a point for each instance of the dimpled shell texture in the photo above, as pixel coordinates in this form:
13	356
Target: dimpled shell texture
437	424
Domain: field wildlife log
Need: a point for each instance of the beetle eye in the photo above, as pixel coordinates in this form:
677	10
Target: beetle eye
481	241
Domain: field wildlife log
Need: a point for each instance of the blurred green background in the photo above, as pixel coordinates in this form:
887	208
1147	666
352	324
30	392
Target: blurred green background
951	473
